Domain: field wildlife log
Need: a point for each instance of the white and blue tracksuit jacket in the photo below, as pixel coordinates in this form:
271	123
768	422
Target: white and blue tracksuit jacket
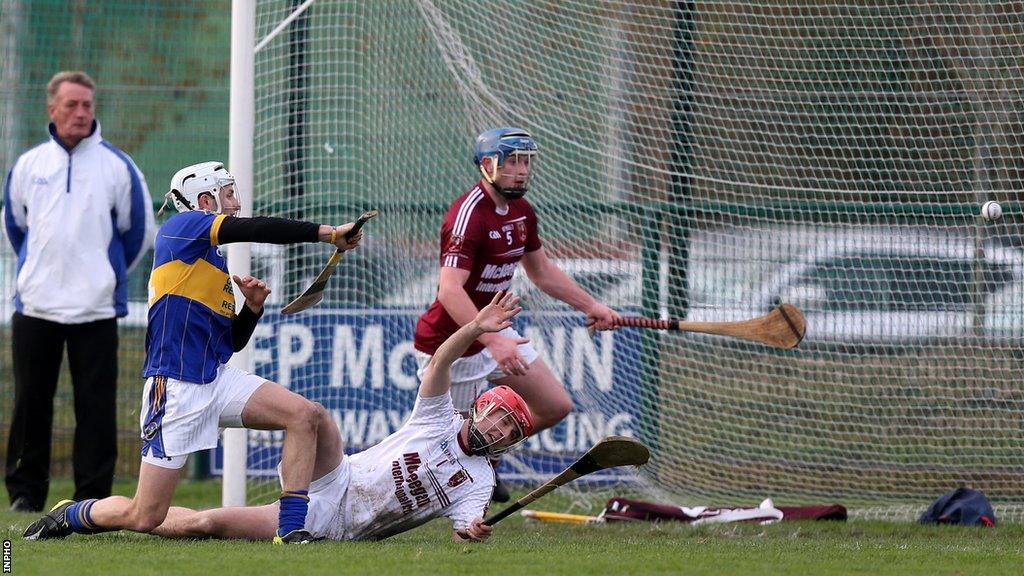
79	220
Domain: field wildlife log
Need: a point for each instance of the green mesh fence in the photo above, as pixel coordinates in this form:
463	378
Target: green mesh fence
699	160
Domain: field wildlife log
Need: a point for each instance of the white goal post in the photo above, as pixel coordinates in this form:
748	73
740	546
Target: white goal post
240	143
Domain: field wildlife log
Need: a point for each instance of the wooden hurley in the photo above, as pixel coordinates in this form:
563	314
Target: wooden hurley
315	293
783	327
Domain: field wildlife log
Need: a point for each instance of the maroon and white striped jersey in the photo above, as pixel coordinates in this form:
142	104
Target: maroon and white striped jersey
477	237
421	472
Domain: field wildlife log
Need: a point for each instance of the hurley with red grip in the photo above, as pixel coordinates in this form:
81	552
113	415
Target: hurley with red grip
783	327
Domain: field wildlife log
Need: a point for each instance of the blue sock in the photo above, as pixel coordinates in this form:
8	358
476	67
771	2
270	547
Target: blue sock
292	515
79	516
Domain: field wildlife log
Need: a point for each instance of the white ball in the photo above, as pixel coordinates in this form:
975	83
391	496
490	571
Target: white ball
991	210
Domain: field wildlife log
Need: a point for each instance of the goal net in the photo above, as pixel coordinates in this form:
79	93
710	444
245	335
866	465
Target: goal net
697	160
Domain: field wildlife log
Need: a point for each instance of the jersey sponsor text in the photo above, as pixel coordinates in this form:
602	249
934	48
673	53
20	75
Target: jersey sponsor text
409	487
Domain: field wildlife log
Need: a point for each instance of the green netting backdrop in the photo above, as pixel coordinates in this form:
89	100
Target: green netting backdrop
700	160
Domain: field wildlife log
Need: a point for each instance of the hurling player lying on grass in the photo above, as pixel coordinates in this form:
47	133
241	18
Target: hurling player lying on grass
435	465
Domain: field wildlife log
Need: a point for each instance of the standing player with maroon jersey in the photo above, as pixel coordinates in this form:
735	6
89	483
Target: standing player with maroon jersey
486	233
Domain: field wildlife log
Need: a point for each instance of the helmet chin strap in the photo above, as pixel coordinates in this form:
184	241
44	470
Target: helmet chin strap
492	176
492	179
512	193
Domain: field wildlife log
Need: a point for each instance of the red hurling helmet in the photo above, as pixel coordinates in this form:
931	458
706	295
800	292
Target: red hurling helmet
515	408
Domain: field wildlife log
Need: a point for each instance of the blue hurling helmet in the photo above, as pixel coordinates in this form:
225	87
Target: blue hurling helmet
500	143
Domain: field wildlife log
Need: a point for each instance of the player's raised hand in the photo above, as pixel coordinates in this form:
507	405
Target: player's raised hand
254	290
497	315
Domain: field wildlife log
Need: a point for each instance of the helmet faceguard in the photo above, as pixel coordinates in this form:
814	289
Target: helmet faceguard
490	438
499	144
191	182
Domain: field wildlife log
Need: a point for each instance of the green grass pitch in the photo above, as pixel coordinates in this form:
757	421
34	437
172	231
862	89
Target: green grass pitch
798	548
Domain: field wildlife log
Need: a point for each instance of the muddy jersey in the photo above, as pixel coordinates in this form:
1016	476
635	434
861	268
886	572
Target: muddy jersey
419	473
477	237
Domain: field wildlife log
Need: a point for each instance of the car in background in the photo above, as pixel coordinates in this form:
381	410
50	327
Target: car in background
879	286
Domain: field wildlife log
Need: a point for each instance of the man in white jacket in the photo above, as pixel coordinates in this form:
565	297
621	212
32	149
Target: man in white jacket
79	217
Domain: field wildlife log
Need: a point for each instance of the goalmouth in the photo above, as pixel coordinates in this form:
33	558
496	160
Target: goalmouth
701	161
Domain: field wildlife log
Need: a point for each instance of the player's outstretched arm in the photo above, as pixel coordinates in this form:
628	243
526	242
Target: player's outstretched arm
271	230
494	317
557	284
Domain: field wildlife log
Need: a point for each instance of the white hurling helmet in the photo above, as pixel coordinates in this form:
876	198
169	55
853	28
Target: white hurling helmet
189	183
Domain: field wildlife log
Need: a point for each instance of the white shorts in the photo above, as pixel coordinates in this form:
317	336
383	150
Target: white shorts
471	375
326	502
179	418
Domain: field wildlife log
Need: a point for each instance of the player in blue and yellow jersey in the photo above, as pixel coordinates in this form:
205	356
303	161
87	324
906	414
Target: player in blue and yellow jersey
190	389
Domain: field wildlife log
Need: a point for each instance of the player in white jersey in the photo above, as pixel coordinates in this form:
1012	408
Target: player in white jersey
435	465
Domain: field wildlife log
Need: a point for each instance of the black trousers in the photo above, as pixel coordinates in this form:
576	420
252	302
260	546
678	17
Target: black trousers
37	352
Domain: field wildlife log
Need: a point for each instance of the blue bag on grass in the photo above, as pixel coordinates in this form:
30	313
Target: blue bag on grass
961	506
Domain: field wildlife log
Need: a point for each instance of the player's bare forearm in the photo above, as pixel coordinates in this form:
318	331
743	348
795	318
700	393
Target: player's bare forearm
565	289
599	316
457	344
437	379
555	283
